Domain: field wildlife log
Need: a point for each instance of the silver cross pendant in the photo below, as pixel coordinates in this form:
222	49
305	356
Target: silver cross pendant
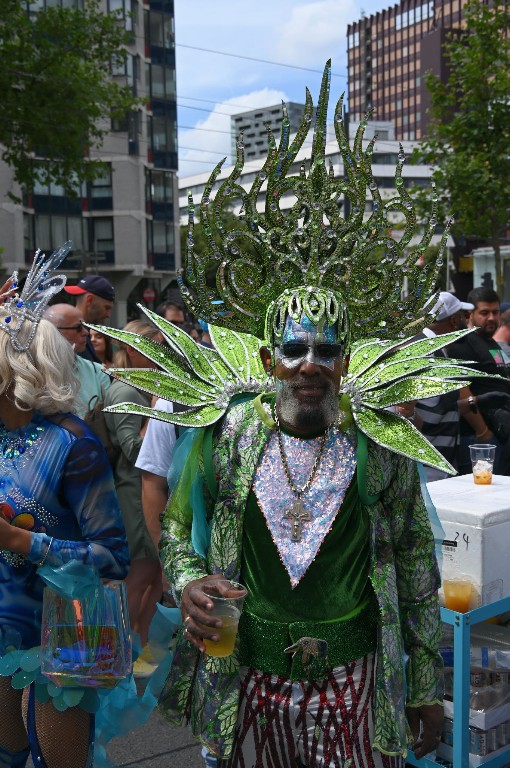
299	515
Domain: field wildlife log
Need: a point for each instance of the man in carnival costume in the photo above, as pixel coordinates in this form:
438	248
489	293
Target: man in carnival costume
299	481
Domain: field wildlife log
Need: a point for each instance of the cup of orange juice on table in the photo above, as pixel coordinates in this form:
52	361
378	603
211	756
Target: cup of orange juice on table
457	594
226	607
482	460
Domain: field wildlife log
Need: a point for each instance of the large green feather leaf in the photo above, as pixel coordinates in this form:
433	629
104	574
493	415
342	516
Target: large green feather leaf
193	392
364	354
240	352
196	417
205	363
160	354
427	346
398	435
410	389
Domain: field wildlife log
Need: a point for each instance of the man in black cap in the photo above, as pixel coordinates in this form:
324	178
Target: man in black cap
94	298
490	397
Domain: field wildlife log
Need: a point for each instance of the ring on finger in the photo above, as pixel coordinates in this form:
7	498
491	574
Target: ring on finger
188	618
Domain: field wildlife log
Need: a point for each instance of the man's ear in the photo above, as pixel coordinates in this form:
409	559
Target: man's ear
267	359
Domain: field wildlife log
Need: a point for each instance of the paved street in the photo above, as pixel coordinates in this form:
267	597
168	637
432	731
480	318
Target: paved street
157	745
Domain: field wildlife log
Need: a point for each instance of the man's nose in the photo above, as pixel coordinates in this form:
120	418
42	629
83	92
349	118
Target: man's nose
309	367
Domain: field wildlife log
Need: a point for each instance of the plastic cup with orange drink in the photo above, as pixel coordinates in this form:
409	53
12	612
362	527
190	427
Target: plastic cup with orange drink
457	594
482	460
227	608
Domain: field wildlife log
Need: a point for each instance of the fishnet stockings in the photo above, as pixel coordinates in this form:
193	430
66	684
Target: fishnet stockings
13	735
63	736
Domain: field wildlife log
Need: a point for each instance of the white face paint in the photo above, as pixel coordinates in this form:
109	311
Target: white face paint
305	342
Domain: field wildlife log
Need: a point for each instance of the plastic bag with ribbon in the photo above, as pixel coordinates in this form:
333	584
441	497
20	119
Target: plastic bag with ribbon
85	633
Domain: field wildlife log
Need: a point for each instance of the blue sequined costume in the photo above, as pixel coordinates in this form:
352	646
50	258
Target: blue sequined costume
54	483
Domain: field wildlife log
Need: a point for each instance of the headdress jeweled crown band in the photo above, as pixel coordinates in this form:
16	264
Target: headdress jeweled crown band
40	286
315	242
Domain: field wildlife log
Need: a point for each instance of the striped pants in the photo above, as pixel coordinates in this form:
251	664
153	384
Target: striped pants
322	724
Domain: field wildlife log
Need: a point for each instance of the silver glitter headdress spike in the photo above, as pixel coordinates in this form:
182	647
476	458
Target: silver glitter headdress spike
40	285
320	242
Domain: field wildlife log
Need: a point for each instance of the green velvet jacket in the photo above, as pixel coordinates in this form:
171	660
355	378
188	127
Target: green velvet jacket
404	575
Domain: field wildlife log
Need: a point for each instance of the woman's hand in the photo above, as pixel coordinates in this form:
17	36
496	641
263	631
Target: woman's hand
14	539
6	290
195	607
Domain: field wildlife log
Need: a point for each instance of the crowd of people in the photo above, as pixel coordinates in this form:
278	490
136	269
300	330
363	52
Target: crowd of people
130	501
288	466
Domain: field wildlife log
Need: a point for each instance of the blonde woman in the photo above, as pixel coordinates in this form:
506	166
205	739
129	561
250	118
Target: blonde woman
57	503
144	581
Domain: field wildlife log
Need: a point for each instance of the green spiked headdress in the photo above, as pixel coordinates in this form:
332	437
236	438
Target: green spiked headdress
319	242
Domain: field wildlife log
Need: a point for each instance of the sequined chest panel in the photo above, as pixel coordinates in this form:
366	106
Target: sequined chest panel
321	502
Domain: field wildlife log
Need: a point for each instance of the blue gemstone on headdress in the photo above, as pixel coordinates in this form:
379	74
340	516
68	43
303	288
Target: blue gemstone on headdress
19	303
8	319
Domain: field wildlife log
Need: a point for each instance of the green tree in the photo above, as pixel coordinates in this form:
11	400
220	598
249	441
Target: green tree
468	142
57	95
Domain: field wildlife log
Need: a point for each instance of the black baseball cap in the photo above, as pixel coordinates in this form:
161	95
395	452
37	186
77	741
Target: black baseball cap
95	284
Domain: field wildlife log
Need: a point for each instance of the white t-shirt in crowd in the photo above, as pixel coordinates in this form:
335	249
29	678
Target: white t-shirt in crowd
158	444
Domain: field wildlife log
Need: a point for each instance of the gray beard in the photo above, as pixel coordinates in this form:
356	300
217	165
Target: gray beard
304	416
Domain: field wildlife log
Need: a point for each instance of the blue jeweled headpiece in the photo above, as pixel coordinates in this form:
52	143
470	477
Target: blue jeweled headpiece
40	285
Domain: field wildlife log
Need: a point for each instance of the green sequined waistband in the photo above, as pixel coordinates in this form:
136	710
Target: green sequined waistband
262	643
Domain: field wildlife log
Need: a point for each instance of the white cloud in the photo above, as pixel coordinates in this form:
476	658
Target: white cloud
316	31
211	137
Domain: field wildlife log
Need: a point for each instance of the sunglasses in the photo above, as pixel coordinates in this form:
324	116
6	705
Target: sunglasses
78	327
295	350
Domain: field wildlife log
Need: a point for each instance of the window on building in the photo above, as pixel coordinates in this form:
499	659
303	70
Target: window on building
103	235
124	9
161	30
28	234
161	187
162	82
102	186
52	231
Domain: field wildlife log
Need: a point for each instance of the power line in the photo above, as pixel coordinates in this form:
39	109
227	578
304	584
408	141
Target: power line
194	128
253	58
215	101
209	111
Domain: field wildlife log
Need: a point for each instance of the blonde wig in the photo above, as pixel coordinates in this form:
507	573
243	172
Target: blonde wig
42	378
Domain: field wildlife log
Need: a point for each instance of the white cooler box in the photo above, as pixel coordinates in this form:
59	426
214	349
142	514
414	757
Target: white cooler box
476	523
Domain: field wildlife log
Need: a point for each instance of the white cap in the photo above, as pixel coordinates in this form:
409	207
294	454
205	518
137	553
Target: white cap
448	305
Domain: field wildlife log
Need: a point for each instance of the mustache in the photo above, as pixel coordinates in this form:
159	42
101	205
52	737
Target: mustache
306	383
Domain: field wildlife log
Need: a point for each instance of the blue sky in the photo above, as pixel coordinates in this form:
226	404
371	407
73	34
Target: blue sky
211	86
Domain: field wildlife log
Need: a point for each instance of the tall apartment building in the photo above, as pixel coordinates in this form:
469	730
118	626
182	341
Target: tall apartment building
252	125
125	224
388	54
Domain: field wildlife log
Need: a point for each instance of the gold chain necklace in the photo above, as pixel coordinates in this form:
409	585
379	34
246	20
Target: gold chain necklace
298	514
